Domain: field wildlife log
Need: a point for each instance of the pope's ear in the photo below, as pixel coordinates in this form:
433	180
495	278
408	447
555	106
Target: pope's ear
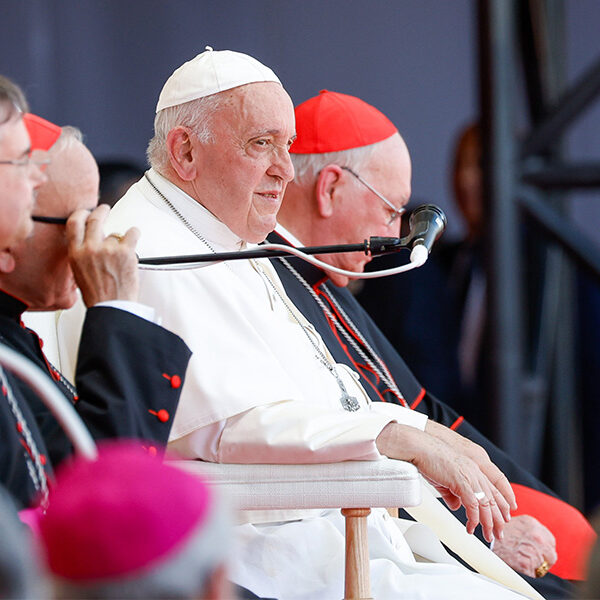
183	156
7	261
325	189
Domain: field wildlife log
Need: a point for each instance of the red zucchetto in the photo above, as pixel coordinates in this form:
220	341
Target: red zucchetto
332	122
42	133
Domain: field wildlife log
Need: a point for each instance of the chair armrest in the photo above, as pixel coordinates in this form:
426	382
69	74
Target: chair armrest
350	484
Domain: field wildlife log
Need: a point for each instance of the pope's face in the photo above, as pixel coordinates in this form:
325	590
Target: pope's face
17	183
244	172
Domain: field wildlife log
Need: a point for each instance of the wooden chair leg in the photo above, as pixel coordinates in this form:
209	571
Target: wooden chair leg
358	577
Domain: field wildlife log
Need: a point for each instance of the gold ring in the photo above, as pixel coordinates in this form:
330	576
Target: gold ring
542	569
117	236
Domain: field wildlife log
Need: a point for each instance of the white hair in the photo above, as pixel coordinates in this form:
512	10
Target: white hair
68	136
196	114
12	101
308	166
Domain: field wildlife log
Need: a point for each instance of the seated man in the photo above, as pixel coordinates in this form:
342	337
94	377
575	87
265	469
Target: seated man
262	387
342	143
129	369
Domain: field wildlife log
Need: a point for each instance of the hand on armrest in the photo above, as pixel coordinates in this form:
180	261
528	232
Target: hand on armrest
458	471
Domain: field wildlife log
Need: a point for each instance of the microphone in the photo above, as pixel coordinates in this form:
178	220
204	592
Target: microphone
426	224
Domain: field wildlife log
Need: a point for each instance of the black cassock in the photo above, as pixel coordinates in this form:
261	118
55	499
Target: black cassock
415	395
129	377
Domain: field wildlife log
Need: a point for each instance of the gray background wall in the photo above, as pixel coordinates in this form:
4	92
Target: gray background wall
99	64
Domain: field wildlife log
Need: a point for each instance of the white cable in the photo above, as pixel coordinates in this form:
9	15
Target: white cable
418	256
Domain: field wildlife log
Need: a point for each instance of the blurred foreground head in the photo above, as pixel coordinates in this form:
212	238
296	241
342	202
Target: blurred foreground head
128	526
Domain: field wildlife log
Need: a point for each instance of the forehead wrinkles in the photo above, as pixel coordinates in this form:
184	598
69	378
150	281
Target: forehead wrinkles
259	108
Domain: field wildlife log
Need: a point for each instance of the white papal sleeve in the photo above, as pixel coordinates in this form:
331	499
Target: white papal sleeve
290	432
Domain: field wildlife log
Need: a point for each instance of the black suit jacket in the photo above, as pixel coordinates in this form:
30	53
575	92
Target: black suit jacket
129	377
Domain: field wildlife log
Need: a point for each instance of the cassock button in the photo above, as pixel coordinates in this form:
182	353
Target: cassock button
162	415
152	450
43	459
175	381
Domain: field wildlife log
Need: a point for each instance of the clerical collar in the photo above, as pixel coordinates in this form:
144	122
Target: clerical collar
215	231
311	273
11	307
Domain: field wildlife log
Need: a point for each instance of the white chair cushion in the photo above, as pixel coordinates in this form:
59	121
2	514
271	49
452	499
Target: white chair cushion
351	484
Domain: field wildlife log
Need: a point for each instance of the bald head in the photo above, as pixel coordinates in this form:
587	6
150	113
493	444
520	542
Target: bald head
37	270
73	177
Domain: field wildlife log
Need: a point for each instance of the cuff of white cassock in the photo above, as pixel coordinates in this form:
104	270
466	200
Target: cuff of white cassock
139	310
400	414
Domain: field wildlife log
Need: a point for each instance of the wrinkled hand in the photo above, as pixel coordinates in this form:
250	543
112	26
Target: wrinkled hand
503	492
455	475
526	544
105	268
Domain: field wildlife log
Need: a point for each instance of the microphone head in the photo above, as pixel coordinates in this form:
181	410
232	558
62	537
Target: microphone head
427	223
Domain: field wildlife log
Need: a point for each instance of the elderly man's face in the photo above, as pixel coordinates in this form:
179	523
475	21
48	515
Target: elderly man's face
359	213
244	173
17	183
42	276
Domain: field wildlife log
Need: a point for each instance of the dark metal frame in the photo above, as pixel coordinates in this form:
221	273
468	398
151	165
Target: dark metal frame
531	355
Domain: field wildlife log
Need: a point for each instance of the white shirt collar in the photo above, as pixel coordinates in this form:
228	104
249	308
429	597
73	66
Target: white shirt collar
288	236
200	218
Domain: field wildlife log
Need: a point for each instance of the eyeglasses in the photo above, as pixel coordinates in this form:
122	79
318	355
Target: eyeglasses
52	220
27	161
396	212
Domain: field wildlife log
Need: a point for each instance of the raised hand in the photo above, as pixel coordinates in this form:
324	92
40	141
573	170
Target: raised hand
105	268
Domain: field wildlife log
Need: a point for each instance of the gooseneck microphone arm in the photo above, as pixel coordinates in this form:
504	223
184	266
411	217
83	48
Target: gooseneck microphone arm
374	246
427	222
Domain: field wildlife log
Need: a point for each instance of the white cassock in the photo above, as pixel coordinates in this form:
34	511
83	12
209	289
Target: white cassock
255	391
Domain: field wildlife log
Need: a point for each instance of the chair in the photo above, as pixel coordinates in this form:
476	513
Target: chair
357	486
